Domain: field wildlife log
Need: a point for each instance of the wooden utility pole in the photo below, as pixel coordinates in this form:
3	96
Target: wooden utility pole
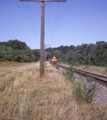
42	38
43	30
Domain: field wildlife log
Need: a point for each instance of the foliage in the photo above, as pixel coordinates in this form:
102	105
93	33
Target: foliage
93	54
70	72
55	65
83	90
18	51
89	89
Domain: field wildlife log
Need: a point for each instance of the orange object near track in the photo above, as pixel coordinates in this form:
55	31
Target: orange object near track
54	60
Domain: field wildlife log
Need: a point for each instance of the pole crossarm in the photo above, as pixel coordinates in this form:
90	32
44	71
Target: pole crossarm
46	0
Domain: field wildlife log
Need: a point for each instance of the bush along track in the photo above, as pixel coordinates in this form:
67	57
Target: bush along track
83	91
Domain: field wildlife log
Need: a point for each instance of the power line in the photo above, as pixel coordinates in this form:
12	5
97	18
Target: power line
50	19
29	22
47	4
32	21
57	23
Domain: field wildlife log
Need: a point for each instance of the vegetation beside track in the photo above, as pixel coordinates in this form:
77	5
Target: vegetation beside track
84	90
27	96
92	69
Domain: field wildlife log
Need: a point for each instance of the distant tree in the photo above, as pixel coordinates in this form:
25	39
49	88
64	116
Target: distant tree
72	47
61	56
36	53
14	44
56	53
15	50
49	55
19	56
70	56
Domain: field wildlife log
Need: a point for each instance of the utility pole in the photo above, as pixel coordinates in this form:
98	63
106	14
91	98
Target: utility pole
43	30
42	38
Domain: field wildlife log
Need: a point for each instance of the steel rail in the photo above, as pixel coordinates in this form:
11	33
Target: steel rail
94	75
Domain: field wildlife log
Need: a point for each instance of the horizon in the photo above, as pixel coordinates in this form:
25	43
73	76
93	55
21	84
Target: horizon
57	46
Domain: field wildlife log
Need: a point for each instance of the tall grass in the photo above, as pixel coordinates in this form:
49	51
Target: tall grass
30	97
83	91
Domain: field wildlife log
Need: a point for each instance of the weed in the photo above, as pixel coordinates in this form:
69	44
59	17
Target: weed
35	93
55	65
101	114
83	91
89	90
78	92
11	92
29	69
6	81
2	86
69	73
84	68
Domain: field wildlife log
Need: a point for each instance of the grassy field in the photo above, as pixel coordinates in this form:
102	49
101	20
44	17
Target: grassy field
24	95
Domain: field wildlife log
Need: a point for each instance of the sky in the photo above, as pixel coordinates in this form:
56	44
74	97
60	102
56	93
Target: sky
66	23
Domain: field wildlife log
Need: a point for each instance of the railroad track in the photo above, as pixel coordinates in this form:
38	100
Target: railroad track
94	75
87	73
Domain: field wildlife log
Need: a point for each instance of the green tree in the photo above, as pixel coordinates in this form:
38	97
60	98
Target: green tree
36	53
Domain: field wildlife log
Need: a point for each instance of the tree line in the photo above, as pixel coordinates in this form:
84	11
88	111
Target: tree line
15	50
93	54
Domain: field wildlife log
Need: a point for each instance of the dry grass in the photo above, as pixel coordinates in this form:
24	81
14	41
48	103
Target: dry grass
26	96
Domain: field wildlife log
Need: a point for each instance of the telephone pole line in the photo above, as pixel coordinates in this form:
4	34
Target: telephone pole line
42	38
43	30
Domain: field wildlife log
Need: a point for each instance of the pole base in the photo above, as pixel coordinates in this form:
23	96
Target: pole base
41	73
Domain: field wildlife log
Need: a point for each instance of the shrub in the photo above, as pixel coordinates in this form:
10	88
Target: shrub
70	72
83	90
89	89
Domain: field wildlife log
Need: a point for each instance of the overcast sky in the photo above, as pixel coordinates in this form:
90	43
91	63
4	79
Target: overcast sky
66	23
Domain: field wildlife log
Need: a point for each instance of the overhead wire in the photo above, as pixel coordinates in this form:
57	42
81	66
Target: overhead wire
38	3
47	4
30	22
57	24
57	19
49	19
